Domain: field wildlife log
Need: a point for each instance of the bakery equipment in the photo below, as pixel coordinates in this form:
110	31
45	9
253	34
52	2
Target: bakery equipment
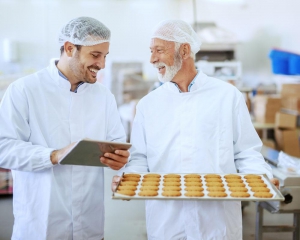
182	183
290	189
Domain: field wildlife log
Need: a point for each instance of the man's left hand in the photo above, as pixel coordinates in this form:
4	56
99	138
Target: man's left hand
115	160
275	181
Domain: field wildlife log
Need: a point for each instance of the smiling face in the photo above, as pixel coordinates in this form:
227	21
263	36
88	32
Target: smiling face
86	62
166	58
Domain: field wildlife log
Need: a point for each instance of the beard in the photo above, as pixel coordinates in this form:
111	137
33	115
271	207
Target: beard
171	71
77	68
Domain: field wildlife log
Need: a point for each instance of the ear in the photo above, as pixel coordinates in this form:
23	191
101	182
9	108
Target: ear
69	48
185	50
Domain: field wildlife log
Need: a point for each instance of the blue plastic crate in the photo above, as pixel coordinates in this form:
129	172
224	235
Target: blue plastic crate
294	64
284	62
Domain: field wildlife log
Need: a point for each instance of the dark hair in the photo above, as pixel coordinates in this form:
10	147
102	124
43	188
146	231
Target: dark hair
62	49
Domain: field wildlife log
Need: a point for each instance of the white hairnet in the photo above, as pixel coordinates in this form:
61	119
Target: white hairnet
84	31
177	31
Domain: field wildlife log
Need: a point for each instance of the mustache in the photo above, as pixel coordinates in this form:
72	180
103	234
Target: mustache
157	65
95	67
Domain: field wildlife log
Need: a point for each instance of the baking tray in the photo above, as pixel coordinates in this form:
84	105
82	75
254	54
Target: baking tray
277	196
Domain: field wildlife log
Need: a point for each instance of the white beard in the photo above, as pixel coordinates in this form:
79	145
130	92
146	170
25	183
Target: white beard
171	71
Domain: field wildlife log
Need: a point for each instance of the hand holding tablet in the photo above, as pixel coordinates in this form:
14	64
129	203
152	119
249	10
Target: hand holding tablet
88	152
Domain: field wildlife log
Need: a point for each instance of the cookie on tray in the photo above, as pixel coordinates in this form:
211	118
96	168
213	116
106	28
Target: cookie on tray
238	189
132	175
252	176
260	189
257	184
240	194
172	175
235	184
217	194
148	193
126	192
192	175
172	184
214	184
213	180
216	189
238	180
194	194
171	188
212	176
171	179
171	193
130	179
151	179
150	183
252	180
192	180
128	183
152	175
263	195
145	188
194	189
189	184
232	176
127	188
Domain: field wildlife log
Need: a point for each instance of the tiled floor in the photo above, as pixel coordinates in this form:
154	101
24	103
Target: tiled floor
125	220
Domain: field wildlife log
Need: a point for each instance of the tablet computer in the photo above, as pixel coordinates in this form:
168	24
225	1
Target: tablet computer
87	152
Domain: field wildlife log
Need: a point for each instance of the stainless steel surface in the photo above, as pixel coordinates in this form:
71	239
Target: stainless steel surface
289	182
260	228
290	189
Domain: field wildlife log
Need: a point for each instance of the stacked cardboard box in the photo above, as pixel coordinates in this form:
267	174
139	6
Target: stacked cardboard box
286	134
290	95
265	108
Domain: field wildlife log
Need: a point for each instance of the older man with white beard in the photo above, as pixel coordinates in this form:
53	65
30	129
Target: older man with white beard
191	124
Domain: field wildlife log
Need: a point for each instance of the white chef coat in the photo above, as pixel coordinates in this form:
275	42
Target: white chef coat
206	130
39	114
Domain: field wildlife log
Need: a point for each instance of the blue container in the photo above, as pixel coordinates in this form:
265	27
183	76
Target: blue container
294	64
280	61
285	62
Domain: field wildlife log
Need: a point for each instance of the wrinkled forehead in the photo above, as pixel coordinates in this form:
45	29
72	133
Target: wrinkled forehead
157	42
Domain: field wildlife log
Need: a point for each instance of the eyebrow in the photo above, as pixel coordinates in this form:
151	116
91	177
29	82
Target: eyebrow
99	52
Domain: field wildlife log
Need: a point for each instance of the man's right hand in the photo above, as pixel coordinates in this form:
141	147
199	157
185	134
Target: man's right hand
57	155
114	183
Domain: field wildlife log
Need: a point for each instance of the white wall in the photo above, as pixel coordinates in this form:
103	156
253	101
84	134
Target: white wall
35	25
258	24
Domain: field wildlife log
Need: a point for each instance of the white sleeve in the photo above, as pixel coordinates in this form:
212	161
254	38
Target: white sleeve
247	144
138	152
16	152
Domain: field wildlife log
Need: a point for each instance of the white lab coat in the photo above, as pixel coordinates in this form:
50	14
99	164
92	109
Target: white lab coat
39	114
206	130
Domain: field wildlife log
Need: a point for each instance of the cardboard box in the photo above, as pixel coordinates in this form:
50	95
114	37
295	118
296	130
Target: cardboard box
265	108
290	90
288	141
291	103
285	121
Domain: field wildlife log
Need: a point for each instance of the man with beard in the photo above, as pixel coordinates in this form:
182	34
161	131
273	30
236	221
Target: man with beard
42	115
191	124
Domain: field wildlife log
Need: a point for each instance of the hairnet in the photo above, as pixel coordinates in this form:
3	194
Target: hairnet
84	31
177	31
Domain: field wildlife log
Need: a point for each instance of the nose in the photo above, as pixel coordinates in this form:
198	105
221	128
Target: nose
153	58
101	63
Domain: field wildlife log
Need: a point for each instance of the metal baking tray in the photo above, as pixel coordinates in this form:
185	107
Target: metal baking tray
277	196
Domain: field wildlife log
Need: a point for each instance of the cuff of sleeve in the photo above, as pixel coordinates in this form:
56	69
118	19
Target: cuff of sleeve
45	156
